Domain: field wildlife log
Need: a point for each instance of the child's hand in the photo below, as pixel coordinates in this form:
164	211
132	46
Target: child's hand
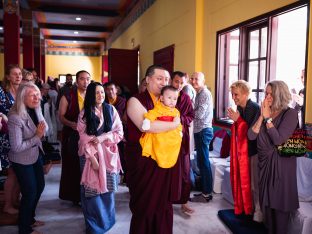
94	163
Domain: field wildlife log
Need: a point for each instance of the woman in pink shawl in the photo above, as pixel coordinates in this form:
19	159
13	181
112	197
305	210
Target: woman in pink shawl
100	129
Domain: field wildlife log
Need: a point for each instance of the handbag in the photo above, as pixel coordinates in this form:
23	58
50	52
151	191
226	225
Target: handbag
295	144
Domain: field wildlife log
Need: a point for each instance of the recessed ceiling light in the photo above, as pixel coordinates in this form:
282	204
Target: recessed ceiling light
1	28
76	32
75	41
78	18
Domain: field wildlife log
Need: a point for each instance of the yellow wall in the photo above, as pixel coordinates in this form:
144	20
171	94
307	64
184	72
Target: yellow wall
164	23
192	26
58	64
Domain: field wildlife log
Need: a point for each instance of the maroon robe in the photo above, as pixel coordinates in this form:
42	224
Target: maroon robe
181	190
70	177
149	185
120	106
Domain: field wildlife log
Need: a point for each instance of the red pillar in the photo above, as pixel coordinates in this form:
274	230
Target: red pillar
43	73
28	44
11	27
37	51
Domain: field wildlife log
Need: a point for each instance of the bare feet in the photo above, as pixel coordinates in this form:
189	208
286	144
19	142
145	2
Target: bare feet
38	223
186	209
36	232
10	210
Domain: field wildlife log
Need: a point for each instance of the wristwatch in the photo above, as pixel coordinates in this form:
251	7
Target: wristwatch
268	120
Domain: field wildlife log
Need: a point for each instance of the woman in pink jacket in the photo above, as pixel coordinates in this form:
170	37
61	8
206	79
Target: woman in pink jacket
100	129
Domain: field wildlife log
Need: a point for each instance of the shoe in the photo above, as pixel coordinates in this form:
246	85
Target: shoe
202	198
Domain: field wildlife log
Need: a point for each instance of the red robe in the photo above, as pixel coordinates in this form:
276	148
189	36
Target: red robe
181	188
240	175
70	176
149	185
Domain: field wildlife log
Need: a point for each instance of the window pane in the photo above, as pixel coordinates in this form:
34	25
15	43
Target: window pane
234	47
263	51
253	97
233	76
262	74
291	47
253	74
254	44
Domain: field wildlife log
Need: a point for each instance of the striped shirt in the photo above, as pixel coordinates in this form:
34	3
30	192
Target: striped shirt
203	110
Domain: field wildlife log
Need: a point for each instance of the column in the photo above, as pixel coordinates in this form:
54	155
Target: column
28	44
11	28
37	51
43	73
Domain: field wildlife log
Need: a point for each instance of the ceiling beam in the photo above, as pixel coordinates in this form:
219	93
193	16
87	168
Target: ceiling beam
76	11
75	27
64	38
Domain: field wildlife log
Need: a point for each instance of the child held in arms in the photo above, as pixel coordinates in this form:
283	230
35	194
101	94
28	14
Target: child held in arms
163	147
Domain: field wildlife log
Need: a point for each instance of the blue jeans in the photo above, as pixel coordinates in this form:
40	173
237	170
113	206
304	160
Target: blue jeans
202	141
31	182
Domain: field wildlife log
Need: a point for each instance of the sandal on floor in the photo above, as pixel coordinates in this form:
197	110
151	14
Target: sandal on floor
202	198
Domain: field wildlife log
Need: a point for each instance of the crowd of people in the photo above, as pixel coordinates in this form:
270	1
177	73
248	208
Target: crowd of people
145	139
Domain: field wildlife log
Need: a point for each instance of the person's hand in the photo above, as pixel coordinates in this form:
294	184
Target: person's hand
232	114
4	117
177	120
40	129
298	99
265	109
94	141
73	125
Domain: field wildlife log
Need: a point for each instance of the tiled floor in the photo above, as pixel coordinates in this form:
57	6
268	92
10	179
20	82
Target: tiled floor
63	217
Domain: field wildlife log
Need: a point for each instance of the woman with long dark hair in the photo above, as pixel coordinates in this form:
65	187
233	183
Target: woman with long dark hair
100	129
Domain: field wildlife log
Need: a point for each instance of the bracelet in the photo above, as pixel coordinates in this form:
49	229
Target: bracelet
267	120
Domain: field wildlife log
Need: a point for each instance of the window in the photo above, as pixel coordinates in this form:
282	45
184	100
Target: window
62	78
266	48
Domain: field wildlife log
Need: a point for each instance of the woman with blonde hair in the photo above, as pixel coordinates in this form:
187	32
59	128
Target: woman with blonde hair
26	128
278	179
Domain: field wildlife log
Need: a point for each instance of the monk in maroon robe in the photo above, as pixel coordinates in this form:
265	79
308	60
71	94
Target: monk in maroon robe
181	170
119	103
69	109
149	185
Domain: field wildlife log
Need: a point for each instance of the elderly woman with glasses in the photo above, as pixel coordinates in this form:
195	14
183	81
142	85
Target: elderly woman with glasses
26	128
